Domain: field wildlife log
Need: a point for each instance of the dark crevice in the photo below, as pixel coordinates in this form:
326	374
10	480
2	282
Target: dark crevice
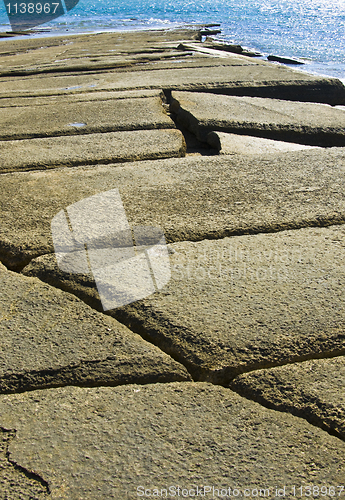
194	146
327	91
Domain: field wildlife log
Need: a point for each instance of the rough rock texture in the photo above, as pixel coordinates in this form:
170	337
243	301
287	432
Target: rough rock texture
50	338
16	483
83	117
230	304
240	303
233	78
305	123
107	442
228	144
87	149
314	390
189	198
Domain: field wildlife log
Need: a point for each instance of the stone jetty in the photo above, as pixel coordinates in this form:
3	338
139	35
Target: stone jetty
225	378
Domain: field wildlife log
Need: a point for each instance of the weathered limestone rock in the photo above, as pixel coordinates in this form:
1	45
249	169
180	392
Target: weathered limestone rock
228	144
314	390
188	198
89	149
233	78
83	117
305	123
119	442
49	338
240	303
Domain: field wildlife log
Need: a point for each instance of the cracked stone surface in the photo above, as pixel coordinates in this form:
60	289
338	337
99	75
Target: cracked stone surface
105	442
313	389
17	484
90	149
83	117
189	198
50	338
240	303
262	79
302	122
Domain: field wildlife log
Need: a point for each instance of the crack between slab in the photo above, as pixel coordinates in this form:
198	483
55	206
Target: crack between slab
205	375
28	473
52	379
311	419
180	237
223	377
196	373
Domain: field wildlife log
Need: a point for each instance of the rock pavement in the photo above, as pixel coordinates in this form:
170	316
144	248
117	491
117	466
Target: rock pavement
225	309
119	442
306	123
228	379
91	149
189	198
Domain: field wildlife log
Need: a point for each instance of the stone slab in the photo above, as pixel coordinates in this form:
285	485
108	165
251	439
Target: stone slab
260	79
189	198
112	147
228	144
71	118
73	97
119	442
238	304
305	123
50	338
314	390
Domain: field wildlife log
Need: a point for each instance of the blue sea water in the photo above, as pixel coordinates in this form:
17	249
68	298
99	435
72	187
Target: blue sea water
312	30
